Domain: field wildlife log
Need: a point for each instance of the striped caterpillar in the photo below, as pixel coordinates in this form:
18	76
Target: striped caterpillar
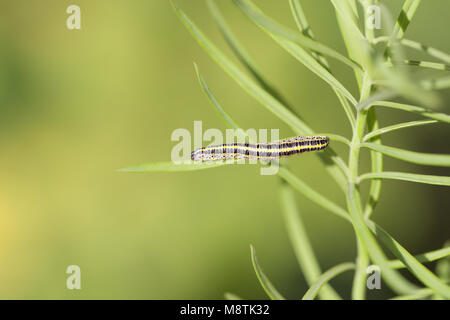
265	151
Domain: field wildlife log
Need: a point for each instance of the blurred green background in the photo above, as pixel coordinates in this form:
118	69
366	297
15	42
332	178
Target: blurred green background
77	105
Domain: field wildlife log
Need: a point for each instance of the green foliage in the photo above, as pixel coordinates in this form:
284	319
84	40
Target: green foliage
268	287
379	76
325	277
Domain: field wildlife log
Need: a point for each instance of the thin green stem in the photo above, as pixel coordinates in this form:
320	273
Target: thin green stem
362	259
424	257
417	295
325	277
376	161
378	132
359	279
438	54
392	278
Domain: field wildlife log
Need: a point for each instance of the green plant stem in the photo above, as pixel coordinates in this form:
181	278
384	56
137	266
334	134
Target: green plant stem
359	279
362	258
376	160
309	52
419	294
418	46
325	277
434	255
392	278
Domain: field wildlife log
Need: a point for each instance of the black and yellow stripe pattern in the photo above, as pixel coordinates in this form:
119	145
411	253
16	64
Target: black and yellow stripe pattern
263	151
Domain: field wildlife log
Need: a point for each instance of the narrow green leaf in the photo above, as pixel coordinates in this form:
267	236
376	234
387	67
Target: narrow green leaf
425	64
298	235
416	295
357	46
430	50
230	122
302	22
172	167
262	96
404	19
329	157
335	137
275	28
233	42
212	99
429	159
305	29
376	165
296	230
424	257
325	277
443	266
411	177
242	54
443	270
414	109
348	19
380	95
265	282
397	78
295	50
420	271
312	194
395	127
438	54
248	62
393	278
300	241
218	107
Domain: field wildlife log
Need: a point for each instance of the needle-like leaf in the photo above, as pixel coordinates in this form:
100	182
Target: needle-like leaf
324	278
411	177
429	159
267	285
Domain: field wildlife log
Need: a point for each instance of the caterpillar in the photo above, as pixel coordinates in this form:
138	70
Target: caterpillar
264	151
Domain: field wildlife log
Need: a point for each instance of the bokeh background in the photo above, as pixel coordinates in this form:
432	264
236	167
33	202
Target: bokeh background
77	105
